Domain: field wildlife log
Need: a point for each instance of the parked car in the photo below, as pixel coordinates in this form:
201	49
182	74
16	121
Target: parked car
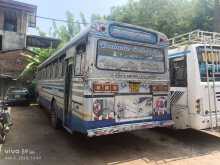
17	96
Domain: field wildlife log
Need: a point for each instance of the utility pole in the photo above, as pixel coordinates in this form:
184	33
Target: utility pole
217	16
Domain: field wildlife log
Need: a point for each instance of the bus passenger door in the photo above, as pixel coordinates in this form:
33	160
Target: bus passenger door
68	93
178	95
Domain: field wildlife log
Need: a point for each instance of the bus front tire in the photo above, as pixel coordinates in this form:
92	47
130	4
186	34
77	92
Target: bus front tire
55	122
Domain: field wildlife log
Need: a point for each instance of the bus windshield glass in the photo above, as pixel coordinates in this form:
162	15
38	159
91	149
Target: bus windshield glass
209	59
126	57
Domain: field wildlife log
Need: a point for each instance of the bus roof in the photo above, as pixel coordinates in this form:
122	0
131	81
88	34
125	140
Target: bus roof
82	36
195	37
78	38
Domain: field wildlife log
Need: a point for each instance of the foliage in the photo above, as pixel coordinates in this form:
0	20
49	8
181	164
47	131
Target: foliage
67	31
171	17
96	17
168	16
63	32
39	56
204	13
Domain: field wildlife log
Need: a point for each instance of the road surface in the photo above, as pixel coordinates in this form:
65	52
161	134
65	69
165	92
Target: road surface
32	141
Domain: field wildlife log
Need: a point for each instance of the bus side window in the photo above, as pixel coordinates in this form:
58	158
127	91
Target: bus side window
78	64
62	66
80	59
178	72
47	72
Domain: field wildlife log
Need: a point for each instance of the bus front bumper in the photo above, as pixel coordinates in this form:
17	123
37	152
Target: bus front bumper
128	127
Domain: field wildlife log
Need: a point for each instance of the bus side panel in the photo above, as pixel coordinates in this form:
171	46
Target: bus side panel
179	94
53	90
45	96
78	110
192	75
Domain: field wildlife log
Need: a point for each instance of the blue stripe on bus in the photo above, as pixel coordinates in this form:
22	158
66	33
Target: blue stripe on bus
44	102
179	54
78	124
53	87
81	125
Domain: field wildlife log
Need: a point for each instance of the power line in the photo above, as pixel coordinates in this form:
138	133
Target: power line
61	20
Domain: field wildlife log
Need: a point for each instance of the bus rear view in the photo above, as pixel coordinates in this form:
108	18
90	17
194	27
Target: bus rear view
120	80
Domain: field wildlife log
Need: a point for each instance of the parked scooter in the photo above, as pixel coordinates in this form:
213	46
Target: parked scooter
5	122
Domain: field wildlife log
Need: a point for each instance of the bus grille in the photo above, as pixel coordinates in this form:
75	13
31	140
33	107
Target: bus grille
174	96
218	96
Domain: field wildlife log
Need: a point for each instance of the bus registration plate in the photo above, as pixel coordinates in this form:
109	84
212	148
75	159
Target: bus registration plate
134	87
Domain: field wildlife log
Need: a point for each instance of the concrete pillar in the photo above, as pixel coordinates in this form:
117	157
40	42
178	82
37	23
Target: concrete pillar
19	21
23	22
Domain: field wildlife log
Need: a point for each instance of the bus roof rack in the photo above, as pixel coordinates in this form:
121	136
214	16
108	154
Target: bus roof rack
195	37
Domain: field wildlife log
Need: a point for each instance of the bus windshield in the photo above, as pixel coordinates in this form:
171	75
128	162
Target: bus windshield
126	57
209	58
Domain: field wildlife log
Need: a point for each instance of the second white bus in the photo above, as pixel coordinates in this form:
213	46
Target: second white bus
195	80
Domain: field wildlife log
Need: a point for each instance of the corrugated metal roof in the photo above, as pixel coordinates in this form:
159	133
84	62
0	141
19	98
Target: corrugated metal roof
42	42
18	5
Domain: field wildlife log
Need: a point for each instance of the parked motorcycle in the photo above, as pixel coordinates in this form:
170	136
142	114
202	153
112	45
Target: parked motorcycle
5	122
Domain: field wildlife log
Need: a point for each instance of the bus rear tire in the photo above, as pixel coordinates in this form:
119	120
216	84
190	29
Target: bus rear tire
55	122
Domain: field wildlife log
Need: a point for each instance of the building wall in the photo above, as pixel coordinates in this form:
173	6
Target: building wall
1	18
24	22
12	63
21	20
13	41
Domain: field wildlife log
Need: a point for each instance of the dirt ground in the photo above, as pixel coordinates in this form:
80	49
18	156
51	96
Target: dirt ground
32	141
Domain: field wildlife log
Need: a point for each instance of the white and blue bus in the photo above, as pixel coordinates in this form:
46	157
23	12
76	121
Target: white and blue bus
194	60
112	77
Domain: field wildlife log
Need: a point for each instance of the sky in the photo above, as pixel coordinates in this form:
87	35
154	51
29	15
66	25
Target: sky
58	8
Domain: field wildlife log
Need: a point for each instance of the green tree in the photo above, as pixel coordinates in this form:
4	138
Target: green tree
97	17
40	55
217	16
67	31
204	15
171	17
